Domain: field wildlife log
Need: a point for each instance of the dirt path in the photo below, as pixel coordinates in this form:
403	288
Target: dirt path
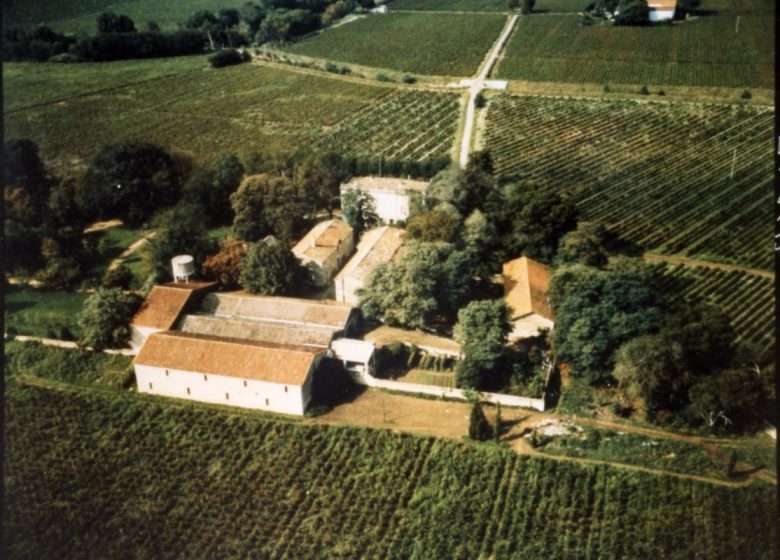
402	413
130	250
708	264
100	226
71	345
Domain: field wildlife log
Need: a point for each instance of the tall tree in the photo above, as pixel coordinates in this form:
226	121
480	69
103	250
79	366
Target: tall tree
225	266
479	427
266	204
482	330
359	210
105	319
271	268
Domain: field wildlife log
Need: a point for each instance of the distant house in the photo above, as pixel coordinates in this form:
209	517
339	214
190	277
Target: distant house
377	246
391	195
240	349
525	291
661	10
325	248
227	371
382	9
163	307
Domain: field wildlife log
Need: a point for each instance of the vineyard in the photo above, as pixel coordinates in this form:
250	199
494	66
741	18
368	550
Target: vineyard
71	111
746	298
450	45
706	51
449	5
406	125
660	174
110	472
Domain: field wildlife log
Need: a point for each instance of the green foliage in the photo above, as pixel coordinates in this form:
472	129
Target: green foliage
633	12
485	321
267	204
118	277
131	181
226	57
109	22
358	209
407	79
105	320
479	427
440	224
210	188
272	268
730	398
596	312
42	313
590	244
196	469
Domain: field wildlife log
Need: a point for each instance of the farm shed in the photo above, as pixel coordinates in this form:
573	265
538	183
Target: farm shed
380	245
661	10
391	195
325	248
525	291
163	307
356	355
265	376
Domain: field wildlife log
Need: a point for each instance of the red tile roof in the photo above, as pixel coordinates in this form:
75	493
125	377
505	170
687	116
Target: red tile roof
525	288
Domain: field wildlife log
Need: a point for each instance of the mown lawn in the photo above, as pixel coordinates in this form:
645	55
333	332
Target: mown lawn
432	44
181	104
42	313
113	242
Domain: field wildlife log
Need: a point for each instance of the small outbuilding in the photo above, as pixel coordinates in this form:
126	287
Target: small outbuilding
526	282
325	248
390	194
379	245
661	10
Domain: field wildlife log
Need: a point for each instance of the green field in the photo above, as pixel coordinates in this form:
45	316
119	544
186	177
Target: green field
113	243
449	5
42	313
660	174
435	44
72	111
107	473
704	51
81	15
746	298
409	124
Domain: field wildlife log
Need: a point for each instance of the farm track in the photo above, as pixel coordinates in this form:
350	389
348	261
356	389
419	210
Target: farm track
707	264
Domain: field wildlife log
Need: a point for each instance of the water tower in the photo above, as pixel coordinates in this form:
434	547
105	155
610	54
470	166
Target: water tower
183	268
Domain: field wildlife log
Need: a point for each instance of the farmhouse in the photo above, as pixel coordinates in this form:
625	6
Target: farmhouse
661	10
325	248
525	291
391	195
163	307
270	377
377	246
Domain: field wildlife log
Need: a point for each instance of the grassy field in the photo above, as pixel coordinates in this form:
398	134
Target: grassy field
72	111
113	241
705	51
42	313
748	299
433	44
660	174
80	16
413	125
111	472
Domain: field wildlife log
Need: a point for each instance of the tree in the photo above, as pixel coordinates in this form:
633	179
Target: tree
271	268
105	319
530	219
359	210
497	426
527	6
131	181
118	277
25	179
440	224
61	269
479	427
474	184
266	204
180	231
590	244
109	22
633	12
210	188
443	186
225	266
482	330
479	238
319	177
253	14
596	312
730	397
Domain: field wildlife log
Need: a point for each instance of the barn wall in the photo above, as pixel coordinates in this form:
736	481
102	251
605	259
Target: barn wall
218	389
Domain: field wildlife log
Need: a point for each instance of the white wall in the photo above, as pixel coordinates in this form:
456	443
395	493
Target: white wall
325	271
138	336
346	288
247	393
661	15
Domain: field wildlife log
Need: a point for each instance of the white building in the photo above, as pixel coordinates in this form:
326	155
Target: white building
325	248
379	245
163	307
525	291
356	355
661	10
391	195
276	378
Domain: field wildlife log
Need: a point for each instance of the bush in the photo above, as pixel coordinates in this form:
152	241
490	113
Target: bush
119	277
746	95
644	91
407	79
330	67
66	58
607	88
345	70
479	427
480	101
226	57
383	78
661	92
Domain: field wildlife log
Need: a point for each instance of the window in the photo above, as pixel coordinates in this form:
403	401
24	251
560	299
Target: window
150	386
188	390
205	377
266	402
244	382
227	397
285	388
166	373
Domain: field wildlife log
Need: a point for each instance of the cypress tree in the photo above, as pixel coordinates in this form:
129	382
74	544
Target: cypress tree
479	428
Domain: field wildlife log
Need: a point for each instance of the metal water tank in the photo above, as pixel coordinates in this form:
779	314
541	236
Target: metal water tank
183	268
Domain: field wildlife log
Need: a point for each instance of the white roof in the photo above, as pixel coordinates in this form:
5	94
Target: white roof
394	184
352	350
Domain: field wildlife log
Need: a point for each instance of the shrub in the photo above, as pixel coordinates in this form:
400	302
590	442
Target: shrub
607	88
746	95
226	57
480	101
661	92
407	79
330	67
119	277
66	58
383	78
644	91
345	70
479	427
